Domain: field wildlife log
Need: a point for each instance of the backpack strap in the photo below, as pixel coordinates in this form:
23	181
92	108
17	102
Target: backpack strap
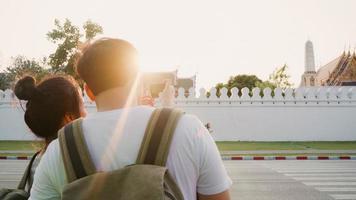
158	136
75	153
26	176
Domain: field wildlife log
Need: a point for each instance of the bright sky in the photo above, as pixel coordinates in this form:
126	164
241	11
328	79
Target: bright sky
215	39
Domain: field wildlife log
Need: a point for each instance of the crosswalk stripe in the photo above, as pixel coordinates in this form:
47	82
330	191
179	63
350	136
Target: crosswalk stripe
314	168
10	180
329	183
337	181
343	196
308	169
324	178
321	174
315	171
336	189
14	172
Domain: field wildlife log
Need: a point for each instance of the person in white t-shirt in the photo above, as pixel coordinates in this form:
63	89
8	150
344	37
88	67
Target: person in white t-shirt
114	133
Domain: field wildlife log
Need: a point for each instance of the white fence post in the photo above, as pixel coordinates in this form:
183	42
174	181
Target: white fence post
278	96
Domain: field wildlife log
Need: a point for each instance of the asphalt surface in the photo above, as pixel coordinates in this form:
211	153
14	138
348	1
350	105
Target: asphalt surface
262	180
293	180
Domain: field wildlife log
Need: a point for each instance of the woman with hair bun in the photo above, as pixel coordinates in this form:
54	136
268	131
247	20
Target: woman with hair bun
51	104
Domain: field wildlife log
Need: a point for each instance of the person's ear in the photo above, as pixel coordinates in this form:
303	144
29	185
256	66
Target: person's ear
89	92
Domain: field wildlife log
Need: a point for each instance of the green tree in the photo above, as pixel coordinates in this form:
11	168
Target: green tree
218	87
68	39
21	66
4	83
266	84
280	77
239	81
91	30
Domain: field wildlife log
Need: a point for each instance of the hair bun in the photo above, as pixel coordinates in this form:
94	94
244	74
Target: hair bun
25	88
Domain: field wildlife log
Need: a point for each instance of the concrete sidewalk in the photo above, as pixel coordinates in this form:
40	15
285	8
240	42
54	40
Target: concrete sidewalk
276	152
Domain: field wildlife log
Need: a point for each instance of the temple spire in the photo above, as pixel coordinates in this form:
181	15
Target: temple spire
309	57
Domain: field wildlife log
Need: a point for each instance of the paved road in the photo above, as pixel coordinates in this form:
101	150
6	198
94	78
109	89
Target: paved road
293	180
263	180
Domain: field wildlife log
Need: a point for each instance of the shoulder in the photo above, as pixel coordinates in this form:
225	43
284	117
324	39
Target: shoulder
53	149
191	133
137	110
52	162
51	159
191	126
189	122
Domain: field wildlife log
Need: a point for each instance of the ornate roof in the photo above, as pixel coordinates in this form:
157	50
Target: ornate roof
338	70
324	72
344	71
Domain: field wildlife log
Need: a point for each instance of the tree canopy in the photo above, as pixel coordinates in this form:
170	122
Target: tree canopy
21	66
4	83
69	39
278	78
239	81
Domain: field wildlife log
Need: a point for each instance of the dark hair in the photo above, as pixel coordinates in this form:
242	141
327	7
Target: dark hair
107	63
48	103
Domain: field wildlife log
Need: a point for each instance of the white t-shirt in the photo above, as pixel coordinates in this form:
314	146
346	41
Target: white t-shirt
114	138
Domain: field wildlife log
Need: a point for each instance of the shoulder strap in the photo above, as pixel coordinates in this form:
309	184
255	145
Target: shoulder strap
75	153
27	173
158	136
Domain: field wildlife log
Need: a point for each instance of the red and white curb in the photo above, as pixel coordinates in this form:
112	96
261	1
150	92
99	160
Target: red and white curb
15	157
237	157
289	157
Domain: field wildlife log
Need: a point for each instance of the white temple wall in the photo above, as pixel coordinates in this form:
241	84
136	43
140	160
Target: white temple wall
278	123
306	114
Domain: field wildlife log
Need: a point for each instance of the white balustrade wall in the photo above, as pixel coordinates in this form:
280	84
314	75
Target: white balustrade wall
303	114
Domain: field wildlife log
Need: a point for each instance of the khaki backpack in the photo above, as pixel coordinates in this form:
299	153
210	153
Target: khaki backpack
148	179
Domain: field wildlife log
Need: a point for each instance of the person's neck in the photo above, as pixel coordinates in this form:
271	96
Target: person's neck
116	98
